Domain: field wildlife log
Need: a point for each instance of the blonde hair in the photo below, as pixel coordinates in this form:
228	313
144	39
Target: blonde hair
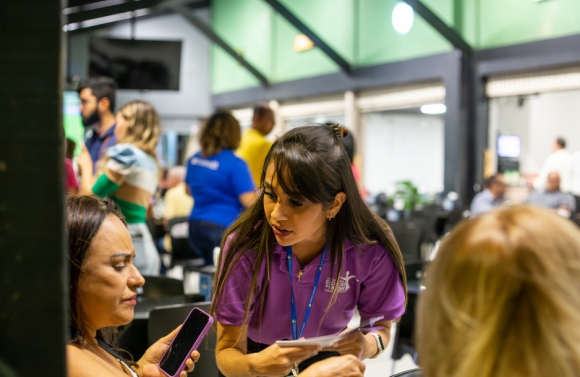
221	131
503	298
143	126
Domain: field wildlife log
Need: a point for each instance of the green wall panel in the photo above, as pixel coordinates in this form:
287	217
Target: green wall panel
292	65
506	22
246	26
331	20
380	43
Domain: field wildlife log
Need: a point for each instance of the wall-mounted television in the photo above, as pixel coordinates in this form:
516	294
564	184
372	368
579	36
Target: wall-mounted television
136	63
508	146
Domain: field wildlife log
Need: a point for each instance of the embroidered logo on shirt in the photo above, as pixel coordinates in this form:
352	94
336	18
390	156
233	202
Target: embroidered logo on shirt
344	284
209	164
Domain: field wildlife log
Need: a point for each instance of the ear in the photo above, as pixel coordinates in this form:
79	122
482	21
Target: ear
337	203
103	105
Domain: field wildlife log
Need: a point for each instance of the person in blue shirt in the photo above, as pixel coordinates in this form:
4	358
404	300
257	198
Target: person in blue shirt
220	183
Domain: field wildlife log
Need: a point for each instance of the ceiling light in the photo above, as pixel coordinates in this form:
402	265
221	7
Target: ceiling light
435	108
402	18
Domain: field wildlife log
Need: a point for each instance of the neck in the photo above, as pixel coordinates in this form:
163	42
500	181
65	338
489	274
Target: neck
257	128
107	121
306	251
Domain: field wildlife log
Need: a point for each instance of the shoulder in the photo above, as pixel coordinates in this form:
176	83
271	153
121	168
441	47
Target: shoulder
123	153
81	362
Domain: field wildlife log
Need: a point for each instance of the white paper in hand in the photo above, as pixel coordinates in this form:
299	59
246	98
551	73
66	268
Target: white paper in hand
328	340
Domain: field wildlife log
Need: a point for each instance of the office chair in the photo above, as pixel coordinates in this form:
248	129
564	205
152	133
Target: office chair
409	236
163	320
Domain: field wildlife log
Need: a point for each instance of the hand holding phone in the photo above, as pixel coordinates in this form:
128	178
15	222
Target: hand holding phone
188	339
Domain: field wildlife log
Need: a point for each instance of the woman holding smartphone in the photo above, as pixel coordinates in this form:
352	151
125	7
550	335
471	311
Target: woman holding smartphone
103	283
301	260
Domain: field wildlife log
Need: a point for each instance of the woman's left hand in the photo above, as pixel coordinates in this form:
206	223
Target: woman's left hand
354	344
148	364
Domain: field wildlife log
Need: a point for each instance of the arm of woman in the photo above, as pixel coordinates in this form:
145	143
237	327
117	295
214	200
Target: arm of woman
342	366
362	345
233	359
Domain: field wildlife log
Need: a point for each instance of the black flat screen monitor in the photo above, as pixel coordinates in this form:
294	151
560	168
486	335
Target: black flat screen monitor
136	64
508	146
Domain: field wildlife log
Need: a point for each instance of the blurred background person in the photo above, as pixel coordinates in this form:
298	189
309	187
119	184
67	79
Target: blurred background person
502	298
71	183
559	161
97	96
552	197
350	146
220	183
492	196
130	176
254	146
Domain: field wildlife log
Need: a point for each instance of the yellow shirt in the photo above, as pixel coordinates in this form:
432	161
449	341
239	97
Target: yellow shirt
253	149
177	204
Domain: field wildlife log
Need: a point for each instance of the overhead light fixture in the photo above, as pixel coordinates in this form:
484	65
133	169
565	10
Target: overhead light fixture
402	18
302	43
435	108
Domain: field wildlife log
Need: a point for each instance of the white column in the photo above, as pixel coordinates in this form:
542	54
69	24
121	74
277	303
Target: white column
280	126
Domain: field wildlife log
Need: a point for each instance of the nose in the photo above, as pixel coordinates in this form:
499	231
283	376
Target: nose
278	213
136	279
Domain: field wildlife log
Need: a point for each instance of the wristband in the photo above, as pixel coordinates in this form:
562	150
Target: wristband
380	346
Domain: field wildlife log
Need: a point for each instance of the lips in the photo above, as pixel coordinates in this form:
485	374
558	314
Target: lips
131	300
280	232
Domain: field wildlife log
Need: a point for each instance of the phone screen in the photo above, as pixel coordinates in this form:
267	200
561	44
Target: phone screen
180	348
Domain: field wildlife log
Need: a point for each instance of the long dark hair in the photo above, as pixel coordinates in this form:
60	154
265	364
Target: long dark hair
84	215
310	163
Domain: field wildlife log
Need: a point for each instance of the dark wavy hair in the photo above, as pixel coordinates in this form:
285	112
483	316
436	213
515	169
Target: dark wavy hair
84	216
310	163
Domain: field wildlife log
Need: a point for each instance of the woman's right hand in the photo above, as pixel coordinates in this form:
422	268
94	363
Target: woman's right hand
279	361
342	366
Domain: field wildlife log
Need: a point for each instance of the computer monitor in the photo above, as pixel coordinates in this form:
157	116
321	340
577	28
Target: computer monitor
508	146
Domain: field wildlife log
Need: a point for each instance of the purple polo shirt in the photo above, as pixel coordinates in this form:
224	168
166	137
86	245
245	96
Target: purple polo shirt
370	282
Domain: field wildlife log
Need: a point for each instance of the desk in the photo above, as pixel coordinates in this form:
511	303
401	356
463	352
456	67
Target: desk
145	305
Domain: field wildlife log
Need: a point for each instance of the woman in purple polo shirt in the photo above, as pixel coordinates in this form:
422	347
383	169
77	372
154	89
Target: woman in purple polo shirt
301	260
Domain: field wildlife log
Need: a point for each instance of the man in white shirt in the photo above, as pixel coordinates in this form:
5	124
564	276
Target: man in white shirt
560	161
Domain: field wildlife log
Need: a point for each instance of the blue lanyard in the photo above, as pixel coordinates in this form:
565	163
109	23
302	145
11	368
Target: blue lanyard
293	302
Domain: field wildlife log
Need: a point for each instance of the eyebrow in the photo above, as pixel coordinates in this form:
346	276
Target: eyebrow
125	255
267	184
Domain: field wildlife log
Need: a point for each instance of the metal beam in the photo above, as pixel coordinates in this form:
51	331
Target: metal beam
160	9
442	28
111	10
80	3
343	64
208	32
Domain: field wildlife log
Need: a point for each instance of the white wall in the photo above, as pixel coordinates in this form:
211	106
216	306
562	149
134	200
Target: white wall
181	109
400	147
538	122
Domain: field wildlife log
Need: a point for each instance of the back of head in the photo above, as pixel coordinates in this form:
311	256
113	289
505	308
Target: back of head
101	87
221	131
263	119
503	298
561	142
143	126
84	215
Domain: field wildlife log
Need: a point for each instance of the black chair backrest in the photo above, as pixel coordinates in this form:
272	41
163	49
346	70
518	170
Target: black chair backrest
409	235
163	320
179	233
162	286
410	373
